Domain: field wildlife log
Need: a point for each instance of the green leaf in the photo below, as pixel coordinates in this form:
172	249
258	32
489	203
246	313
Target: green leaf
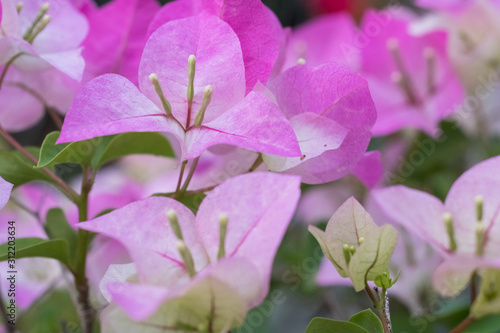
101	150
80	152
323	325
368	320
17	169
57	227
191	201
132	143
36	247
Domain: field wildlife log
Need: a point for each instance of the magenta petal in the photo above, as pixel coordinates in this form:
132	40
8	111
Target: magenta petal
143	228
5	189
482	179
258	29
310	42
219	63
118	33
417	211
255	123
258	218
110	104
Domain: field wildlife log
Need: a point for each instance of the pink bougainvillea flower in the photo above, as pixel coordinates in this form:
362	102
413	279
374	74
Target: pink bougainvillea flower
229	247
117	35
411	79
465	225
35	275
111	104
309	42
331	112
36	35
5	189
257	27
25	95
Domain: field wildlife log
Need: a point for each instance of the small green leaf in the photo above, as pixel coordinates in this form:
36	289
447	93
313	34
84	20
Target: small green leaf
101	150
488	300
17	169
368	320
80	152
132	143
323	325
57	227
36	247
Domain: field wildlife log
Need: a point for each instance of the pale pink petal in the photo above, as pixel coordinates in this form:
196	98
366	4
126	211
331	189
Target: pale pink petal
316	134
219	63
110	104
482	179
370	169
455	273
417	211
67	28
143	228
69	62
338	93
235	275
255	123
5	189
9	19
328	276
19	110
258	218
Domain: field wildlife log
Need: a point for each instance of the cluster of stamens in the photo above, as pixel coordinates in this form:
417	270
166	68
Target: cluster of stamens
207	96
402	77
42	19
183	249
350	250
480	228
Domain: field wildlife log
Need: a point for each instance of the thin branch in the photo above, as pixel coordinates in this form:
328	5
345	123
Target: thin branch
463	325
60	184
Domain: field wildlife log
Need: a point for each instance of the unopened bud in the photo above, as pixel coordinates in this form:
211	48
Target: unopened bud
186	256
223	221
207	98
174	224
159	91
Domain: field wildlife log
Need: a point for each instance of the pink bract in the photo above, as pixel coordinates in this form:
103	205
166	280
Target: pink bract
111	104
258	218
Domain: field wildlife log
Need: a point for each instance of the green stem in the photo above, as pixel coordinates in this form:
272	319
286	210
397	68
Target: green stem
473	288
189	176
463	325
181	175
256	164
7	66
379	305
81	283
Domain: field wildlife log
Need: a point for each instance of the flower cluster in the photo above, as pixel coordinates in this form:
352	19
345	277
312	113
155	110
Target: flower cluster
189	144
